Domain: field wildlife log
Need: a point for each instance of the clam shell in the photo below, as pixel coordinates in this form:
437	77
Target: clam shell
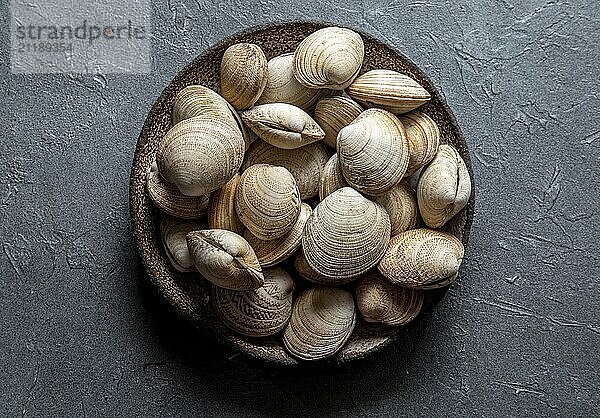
282	86
345	236
444	187
259	312
197	100
389	90
275	251
305	271
282	125
322	320
305	163
199	155
333	113
225	259
173	232
329	58
422	258
400	203
379	300
267	201
221	208
423	139
243	75
332	178
168	198
373	152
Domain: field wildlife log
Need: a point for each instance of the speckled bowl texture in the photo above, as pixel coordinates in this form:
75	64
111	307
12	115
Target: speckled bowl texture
189	293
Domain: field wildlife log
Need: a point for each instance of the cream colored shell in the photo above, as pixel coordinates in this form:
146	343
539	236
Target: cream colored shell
322	320
307	272
332	178
422	258
168	198
173	233
389	90
333	113
444	187
221	208
243	75
423	139
400	203
305	163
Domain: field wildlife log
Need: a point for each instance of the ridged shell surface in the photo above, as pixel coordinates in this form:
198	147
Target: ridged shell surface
305	163
345	236
444	187
334	113
173	232
373	152
400	202
329	58
225	259
389	90
197	100
332	178
243	75
322	320
379	300
307	272
260	312
267	201
422	258
283	125
168	198
221	208
423	139
199	155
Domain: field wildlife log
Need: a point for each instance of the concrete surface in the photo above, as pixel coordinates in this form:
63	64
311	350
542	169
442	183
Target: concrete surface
81	335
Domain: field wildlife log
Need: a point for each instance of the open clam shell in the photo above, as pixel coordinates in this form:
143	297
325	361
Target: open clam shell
400	202
173	232
423	139
168	198
221	208
332	178
243	75
334	113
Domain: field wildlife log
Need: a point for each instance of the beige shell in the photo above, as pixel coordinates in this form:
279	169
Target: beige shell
275	251
423	139
259	312
389	90
322	320
283	125
379	300
345	236
221	208
173	232
225	259
400	203
197	100
373	152
282	86
305	163
168	198
267	201
422	258
307	272
329	58
333	113
444	187
332	178
199	155
243	75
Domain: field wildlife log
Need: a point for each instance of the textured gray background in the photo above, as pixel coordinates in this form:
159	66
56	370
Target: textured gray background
81	334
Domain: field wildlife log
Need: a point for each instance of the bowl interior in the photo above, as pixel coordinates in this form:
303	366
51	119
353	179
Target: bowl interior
189	293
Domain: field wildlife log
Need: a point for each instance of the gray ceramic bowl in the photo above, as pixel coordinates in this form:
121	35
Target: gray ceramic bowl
189	293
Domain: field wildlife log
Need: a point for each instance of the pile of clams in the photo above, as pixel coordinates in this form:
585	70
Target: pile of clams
310	195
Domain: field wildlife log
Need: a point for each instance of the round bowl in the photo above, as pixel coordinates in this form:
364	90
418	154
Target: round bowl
189	293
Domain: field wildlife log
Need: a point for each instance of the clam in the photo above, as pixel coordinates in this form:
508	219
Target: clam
173	232
329	58
400	202
322	320
199	155
389	90
225	259
221	208
282	86
345	236
373	152
168	198
422	258
267	201
444	187
307	272
305	163
275	251
333	113
243	75
379	300
282	125
423	139
332	178
260	312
